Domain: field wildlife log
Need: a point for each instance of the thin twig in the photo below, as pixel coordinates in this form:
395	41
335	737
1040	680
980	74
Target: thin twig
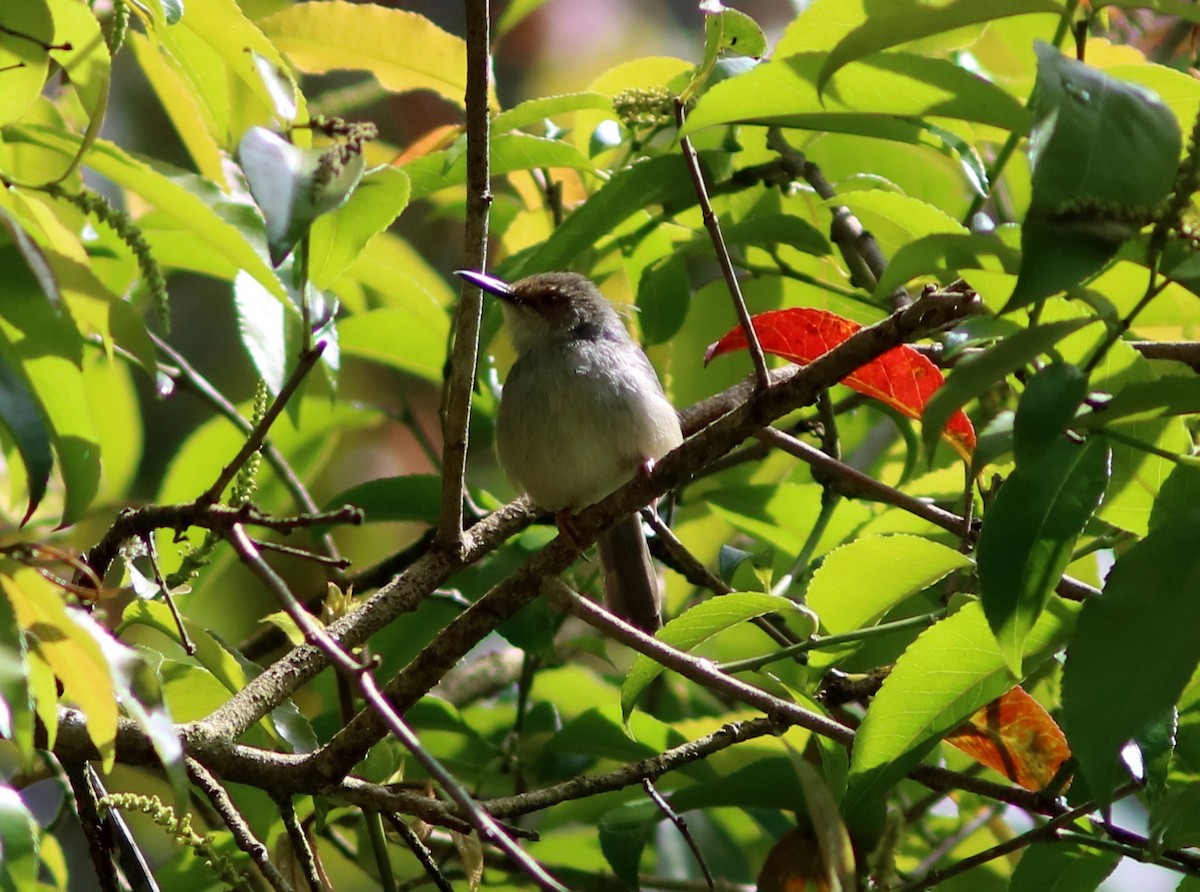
713	225
302	851
464	353
185	640
680	825
420	851
254	441
243	835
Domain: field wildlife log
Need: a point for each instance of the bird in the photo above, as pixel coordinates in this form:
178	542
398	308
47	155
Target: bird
581	412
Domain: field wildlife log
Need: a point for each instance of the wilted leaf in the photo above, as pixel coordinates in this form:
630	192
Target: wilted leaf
1015	736
902	378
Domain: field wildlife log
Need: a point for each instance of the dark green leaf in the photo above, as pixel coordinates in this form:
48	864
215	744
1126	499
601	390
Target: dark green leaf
1047	407
415	497
623	833
1028	534
663	296
22	418
976	374
1062	867
1152	593
1104	154
1143	400
778	229
18	843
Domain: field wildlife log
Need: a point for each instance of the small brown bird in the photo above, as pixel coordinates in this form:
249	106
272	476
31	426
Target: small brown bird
582	411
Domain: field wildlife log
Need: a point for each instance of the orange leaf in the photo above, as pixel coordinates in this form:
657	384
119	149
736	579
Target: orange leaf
902	378
1015	736
794	864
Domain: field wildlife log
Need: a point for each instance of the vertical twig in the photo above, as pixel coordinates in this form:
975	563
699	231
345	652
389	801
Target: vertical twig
713	225
464	352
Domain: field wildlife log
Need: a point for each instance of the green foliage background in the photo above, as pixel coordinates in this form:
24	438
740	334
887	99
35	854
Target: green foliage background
979	156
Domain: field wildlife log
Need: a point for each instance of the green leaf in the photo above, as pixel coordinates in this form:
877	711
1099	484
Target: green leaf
412	339
647	182
975	374
194	204
696	626
509	152
899	21
777	229
22	419
1104	154
26	28
537	111
338	237
1151	594
954	668
294	186
784	92
18	843
861	581
1048	405
945	255
38	337
663	297
416	497
16	696
269	329
404	50
72	653
1143	400
725	31
1029	532
1062	867
623	832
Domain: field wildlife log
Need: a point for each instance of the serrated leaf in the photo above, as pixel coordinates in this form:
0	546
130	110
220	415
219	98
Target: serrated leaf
338	237
1104	154
1029	532
861	581
406	51
1014	736
1152	591
954	668
693	628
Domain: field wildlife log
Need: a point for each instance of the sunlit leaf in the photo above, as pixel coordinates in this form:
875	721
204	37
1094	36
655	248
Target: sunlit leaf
954	668
405	51
694	627
18	842
902	378
26	29
338	237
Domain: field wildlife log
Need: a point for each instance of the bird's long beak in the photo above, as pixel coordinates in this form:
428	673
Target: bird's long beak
490	284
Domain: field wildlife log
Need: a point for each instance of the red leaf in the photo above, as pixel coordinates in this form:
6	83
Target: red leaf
1015	736
902	378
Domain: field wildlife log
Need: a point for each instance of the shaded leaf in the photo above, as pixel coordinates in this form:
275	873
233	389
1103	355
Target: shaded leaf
1104	154
902	378
1106	696
1063	867
663	294
1048	405
1029	532
794	862
22	419
414	497
18	843
1015	736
